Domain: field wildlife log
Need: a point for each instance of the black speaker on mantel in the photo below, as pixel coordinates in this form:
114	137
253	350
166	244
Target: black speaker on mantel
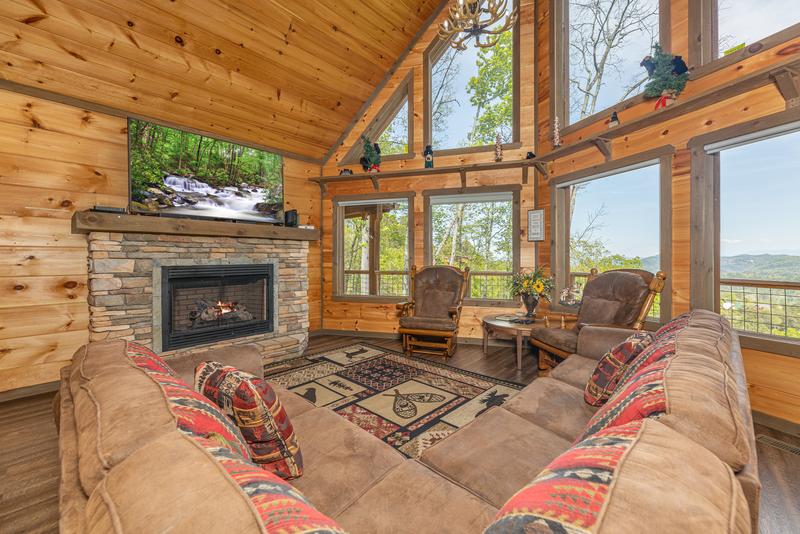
290	218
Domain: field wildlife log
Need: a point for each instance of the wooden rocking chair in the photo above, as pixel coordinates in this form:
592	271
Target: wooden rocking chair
429	320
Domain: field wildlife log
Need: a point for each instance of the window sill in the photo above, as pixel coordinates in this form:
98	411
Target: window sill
771	344
369	299
603	114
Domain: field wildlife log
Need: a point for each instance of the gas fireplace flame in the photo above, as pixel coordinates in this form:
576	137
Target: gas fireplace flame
225	307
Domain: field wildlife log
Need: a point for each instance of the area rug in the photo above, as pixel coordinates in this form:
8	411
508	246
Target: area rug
408	402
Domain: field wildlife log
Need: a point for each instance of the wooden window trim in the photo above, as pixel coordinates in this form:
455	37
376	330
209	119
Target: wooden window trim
560	219
515	190
704	40
338	245
403	93
432	54
559	62
705	224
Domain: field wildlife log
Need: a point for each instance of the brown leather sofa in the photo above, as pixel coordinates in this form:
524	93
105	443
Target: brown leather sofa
457	485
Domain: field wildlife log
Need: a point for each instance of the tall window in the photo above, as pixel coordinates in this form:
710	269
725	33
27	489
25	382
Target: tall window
373	247
610	220
471	94
607	40
744	22
759	264
476	231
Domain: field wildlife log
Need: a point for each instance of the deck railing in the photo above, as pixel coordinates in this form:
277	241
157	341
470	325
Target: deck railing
762	307
389	283
490	285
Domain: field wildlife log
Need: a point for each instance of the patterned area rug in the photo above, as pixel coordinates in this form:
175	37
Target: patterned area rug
410	403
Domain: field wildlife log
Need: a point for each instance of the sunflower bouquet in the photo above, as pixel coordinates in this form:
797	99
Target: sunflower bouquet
532	282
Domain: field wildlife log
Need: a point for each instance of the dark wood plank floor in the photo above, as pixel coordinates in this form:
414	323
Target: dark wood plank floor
29	448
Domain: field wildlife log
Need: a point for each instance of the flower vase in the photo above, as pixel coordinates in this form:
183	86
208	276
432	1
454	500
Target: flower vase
530	301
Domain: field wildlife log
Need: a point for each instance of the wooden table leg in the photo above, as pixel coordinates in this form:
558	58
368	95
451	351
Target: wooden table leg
519	351
485	340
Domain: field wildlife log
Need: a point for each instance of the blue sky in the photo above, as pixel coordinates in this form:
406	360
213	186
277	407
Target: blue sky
460	120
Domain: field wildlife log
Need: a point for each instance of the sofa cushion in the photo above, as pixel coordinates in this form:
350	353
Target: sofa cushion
427	323
640	477
694	395
293	403
575	370
182	484
612	366
413	499
258	413
495	454
124	397
340	460
246	358
560	338
553	405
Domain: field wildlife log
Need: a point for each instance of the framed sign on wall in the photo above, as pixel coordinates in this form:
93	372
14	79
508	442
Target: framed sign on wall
536	225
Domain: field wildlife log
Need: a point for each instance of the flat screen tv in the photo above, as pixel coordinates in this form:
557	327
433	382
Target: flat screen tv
178	173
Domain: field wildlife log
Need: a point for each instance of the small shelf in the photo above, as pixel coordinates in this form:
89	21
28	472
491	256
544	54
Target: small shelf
84	222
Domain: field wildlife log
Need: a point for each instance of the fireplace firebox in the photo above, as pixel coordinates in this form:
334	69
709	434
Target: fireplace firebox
205	303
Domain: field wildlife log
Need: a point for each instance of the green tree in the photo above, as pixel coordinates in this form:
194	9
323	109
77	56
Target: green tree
492	93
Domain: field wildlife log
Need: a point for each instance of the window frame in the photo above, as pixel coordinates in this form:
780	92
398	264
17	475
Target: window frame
338	292
559	242
432	54
559	60
704	40
403	93
515	190
705	219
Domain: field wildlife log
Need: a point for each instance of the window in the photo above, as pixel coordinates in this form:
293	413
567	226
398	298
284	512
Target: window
373	243
392	127
478	229
611	219
604	41
471	95
759	247
743	22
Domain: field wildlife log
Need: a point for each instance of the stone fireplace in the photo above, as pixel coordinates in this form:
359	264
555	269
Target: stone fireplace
179	293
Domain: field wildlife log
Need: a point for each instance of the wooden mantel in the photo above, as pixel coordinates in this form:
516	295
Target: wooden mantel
84	222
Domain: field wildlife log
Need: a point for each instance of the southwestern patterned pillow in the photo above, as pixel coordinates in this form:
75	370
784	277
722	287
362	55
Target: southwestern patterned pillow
612	366
254	406
616	481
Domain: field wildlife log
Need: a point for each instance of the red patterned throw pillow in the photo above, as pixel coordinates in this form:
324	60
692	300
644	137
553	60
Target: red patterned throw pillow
612	366
254	406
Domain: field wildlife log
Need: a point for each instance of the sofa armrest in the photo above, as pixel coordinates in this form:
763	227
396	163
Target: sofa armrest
246	358
595	341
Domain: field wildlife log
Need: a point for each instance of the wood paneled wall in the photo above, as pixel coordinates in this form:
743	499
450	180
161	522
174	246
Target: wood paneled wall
56	159
774	386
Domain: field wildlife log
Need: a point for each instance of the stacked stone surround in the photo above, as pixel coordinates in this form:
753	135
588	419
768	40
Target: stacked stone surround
122	282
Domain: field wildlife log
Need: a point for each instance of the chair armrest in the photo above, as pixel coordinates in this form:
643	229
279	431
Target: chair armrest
454	311
595	340
404	307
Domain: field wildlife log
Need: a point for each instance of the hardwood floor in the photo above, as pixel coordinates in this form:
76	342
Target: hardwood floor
29	448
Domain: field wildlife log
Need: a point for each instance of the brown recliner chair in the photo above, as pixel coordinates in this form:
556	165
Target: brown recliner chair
619	298
429	320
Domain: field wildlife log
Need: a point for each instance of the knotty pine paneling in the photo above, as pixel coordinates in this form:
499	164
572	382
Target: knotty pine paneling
56	159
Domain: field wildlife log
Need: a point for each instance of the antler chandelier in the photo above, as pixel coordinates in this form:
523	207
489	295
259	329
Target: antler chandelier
480	19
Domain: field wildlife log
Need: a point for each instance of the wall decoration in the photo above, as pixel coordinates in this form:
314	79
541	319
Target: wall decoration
371	160
478	19
498	148
428	153
536	225
614	120
556	133
668	75
346	172
530	155
175	172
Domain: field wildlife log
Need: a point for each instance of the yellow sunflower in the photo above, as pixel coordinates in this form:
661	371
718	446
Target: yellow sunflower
538	286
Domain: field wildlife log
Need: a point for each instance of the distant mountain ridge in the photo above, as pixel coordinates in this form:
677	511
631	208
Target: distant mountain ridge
782	267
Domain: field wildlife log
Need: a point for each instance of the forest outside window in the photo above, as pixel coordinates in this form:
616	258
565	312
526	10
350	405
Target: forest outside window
610	220
476	229
472	95
602	45
372	246
759	249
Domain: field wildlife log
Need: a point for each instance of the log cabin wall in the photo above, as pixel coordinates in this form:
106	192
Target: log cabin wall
56	159
773	386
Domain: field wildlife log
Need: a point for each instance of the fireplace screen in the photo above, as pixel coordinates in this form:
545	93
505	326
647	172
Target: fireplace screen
206	303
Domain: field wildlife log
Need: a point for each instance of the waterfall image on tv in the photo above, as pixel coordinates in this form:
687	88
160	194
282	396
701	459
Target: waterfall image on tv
181	173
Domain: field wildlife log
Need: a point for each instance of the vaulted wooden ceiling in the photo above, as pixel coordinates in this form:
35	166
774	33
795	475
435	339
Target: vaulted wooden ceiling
286	74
